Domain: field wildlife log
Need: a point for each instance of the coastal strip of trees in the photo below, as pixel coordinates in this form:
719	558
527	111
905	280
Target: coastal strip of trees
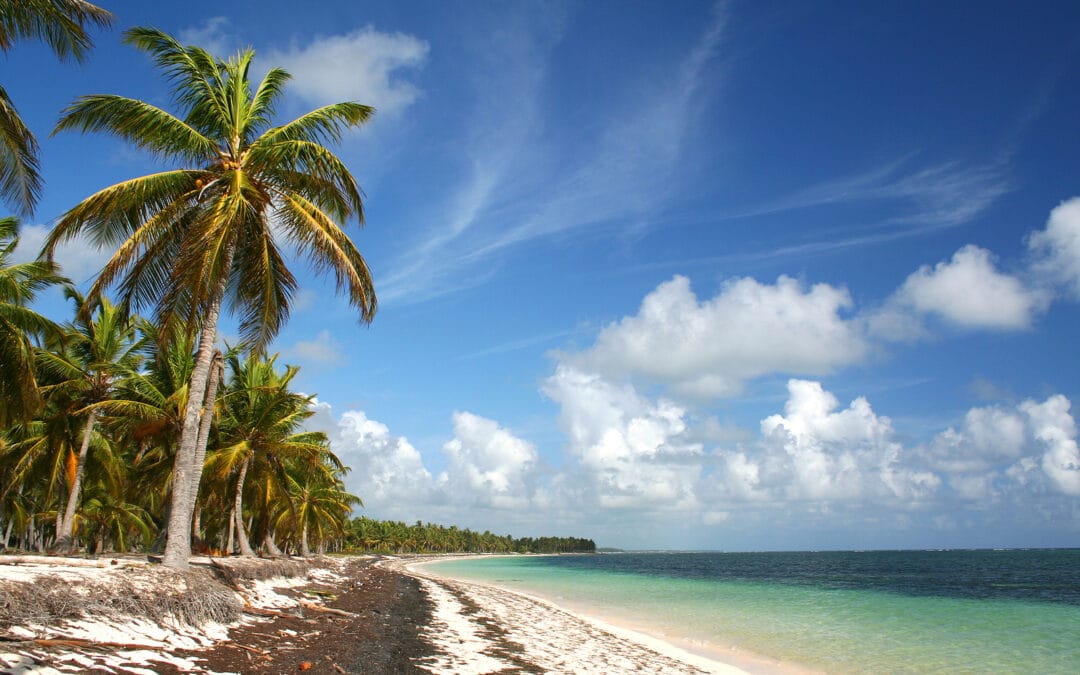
91	469
200	237
367	535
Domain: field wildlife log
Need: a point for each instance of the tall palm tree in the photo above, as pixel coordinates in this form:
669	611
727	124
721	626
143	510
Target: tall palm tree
94	354
19	325
209	229
61	24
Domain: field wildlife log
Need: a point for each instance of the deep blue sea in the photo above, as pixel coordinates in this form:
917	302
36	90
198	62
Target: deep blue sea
875	611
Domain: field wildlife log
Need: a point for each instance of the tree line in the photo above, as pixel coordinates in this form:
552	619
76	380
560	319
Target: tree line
201	235
367	535
93	467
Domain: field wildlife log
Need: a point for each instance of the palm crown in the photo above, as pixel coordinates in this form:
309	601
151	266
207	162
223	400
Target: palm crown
184	231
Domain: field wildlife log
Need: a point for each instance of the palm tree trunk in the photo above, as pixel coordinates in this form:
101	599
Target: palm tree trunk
272	549
305	552
64	542
238	510
186	473
231	540
216	373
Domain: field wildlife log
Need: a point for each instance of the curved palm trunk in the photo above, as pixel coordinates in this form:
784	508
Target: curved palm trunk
238	510
216	374
64	540
272	549
186	473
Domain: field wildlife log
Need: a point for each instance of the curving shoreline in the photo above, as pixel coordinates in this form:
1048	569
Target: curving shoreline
385	615
551	637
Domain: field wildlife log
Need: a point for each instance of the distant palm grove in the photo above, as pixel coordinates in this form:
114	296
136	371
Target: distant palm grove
365	535
128	428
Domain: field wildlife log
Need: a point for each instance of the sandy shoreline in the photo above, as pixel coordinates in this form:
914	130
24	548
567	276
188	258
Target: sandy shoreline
343	615
552	637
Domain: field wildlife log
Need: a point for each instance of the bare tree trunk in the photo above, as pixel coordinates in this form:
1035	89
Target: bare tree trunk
64	543
186	473
238	509
305	552
271	548
231	541
216	373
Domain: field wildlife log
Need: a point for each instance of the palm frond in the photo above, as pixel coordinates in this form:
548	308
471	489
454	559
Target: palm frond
61	24
20	173
330	250
139	123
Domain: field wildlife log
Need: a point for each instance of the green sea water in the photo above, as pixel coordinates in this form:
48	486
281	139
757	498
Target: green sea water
872	612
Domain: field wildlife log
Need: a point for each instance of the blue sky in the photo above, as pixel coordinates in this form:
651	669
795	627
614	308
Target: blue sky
681	275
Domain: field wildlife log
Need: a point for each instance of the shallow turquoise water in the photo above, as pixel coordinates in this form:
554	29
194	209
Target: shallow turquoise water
823	620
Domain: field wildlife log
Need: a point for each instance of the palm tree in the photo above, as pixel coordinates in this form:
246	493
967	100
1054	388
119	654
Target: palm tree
191	237
318	504
259	433
62	25
19	284
94	354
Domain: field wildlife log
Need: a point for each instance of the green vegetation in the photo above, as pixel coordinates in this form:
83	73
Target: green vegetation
92	467
192	239
388	536
112	434
60	24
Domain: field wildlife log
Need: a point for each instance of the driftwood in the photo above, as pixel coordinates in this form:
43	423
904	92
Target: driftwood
329	610
258	611
60	561
253	650
227	575
77	643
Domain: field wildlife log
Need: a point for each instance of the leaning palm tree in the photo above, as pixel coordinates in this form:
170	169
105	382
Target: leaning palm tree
19	325
209	228
87	363
62	25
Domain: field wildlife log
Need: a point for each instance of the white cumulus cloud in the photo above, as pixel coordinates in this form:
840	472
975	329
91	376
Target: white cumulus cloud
711	348
387	471
362	66
1030	447
1058	247
970	292
488	465
987	436
1055	430
630	450
79	260
822	453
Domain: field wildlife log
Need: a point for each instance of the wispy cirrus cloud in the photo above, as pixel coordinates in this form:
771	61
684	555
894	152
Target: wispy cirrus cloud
919	198
523	184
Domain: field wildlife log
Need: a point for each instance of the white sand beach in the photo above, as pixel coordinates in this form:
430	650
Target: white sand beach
550	637
472	628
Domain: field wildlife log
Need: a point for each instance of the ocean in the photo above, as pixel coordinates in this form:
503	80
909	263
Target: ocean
1011	611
